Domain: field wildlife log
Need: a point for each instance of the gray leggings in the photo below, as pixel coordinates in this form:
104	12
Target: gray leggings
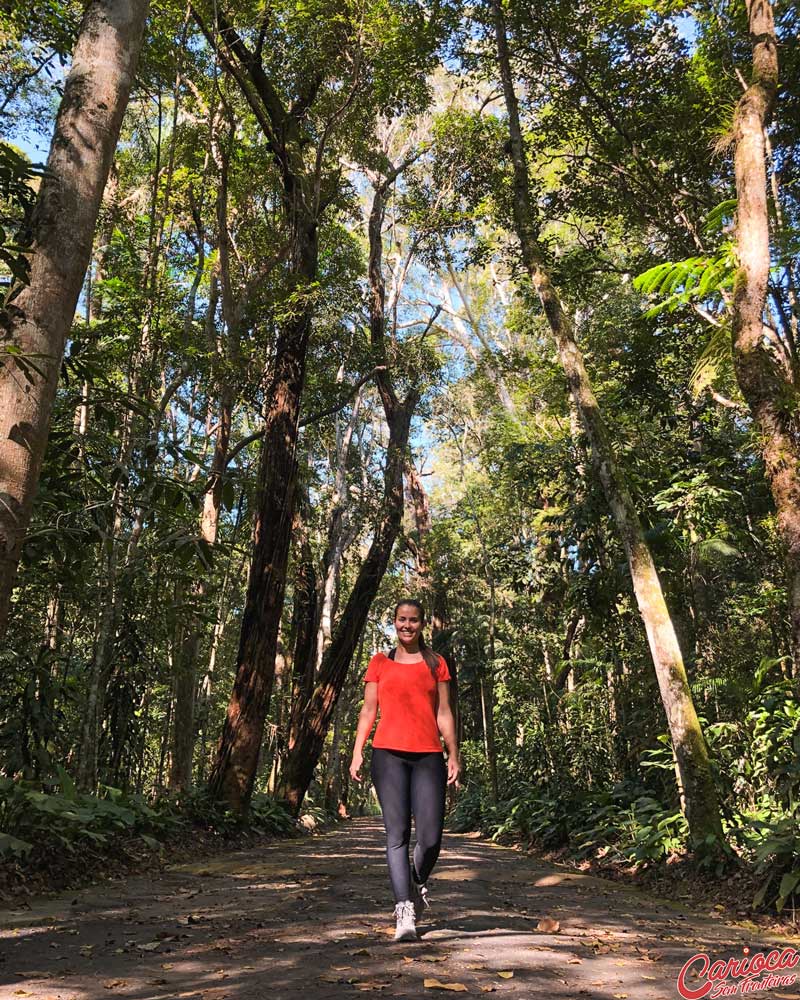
406	783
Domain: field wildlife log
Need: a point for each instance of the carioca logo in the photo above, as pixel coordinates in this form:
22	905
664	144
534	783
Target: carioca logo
715	976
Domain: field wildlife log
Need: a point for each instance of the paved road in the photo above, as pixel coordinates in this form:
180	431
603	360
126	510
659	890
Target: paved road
312	917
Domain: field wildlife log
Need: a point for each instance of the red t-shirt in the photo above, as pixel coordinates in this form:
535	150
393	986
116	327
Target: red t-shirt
407	702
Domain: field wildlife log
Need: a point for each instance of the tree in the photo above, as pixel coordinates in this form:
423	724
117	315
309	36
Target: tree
312	718
37	321
702	806
768	387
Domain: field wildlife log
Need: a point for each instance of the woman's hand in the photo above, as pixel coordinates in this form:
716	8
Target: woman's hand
453	770
355	767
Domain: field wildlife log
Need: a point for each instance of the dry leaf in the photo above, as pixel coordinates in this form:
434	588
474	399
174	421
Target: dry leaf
370	984
548	926
167	965
157	982
434	984
112	984
491	988
575	961
506	975
434	958
620	996
149	946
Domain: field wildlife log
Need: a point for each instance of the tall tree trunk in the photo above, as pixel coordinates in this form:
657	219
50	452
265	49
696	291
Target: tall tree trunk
38	320
304	615
702	803
771	397
429	582
340	534
235	769
304	752
315	715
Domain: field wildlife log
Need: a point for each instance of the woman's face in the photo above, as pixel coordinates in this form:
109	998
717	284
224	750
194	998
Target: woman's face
408	622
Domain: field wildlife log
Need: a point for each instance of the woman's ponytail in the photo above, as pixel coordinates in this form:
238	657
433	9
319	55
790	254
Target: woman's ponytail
428	655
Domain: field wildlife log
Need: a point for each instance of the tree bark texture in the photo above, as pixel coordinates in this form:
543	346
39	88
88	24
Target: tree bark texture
764	383
702	803
38	320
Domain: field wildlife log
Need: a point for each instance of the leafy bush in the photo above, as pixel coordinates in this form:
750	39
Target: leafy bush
34	823
617	822
37	822
773	841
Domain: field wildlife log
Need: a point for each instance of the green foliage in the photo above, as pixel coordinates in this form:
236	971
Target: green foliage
37	824
17	198
680	283
265	815
615	824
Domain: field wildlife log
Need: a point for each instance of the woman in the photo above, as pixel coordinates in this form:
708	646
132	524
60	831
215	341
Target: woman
410	687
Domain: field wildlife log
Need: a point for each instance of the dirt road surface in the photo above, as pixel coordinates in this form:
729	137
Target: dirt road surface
312	917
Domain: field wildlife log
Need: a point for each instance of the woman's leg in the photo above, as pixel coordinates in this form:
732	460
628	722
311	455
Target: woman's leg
391	776
428	788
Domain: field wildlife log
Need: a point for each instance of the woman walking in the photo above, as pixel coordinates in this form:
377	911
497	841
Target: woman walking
408	769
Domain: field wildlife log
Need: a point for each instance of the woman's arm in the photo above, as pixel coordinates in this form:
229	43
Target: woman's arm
366	720
447	727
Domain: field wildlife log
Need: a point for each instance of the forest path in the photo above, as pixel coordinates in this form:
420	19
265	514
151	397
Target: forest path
312	917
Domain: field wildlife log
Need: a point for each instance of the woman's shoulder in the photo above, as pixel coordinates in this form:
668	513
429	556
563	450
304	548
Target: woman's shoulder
374	667
443	671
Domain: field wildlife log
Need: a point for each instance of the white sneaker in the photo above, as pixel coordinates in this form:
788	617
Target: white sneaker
406	929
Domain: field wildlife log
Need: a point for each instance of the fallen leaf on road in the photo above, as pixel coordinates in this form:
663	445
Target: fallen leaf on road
167	965
368	985
86	950
506	975
434	984
575	961
157	982
112	984
434	958
548	926
620	996
149	946
491	988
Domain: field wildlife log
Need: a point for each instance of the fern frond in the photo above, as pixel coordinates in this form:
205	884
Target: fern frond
715	356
